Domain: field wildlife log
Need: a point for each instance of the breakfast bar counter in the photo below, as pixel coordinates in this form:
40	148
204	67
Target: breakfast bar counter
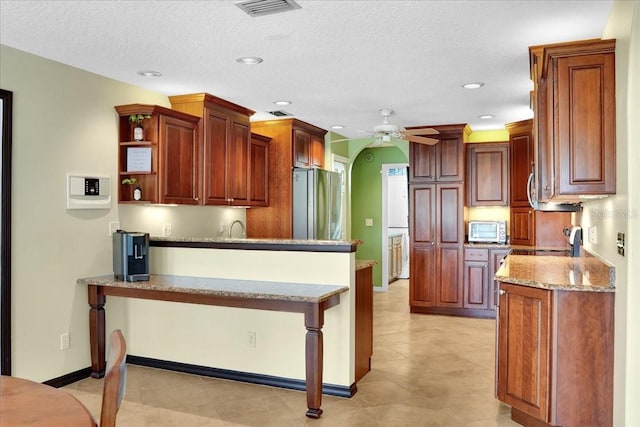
310	299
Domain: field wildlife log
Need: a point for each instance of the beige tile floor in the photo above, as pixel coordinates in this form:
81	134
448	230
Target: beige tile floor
426	371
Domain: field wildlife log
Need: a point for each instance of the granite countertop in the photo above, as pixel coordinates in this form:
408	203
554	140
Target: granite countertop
583	273
299	292
256	244
364	263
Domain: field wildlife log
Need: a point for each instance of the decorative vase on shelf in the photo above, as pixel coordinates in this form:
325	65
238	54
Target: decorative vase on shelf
137	193
138	133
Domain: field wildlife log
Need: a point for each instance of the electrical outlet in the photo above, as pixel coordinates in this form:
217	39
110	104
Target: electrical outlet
113	227
65	341
593	234
251	338
167	230
368	222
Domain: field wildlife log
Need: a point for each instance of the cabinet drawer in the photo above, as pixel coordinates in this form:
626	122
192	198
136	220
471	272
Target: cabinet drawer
476	254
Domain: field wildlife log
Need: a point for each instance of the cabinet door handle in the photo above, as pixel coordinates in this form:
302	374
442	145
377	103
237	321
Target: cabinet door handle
502	292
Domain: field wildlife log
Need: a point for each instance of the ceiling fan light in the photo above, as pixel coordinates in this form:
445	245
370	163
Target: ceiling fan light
386	128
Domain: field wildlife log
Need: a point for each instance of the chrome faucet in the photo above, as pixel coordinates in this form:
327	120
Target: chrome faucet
237	221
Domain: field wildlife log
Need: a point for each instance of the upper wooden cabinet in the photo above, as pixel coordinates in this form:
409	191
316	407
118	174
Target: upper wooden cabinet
575	119
259	167
521	161
224	172
294	143
308	146
442	162
488	174
168	155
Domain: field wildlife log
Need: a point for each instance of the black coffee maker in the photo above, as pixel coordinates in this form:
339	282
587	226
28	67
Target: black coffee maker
130	256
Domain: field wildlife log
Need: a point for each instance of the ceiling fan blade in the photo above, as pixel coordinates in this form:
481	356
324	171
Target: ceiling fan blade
421	139
423	131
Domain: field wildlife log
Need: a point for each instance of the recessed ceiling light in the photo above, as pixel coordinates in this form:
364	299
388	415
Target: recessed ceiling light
149	73
337	127
282	102
474	85
249	60
486	116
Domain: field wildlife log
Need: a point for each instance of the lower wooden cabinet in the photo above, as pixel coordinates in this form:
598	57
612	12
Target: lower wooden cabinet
555	356
364	321
480	265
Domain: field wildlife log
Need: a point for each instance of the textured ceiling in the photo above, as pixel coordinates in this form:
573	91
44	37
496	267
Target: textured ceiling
339	62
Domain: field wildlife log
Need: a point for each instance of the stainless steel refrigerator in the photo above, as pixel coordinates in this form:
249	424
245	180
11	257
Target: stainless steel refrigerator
317	200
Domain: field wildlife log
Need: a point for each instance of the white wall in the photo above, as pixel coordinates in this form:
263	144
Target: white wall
217	336
64	121
621	213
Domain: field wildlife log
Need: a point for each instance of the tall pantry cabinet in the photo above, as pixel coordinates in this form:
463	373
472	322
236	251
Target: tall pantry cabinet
436	220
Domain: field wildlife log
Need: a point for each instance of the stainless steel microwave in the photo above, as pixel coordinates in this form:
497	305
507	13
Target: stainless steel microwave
488	231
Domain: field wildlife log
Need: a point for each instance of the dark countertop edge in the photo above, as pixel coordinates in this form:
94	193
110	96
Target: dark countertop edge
287	245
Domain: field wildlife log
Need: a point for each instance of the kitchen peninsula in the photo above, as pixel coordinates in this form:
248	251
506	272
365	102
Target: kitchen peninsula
265	287
555	339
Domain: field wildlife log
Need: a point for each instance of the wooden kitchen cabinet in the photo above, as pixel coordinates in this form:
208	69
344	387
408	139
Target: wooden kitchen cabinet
436	221
521	161
476	278
308	148
537	228
259	167
521	150
555	356
364	320
575	119
480	265
436	256
522	226
487	174
441	162
224	173
276	220
527	226
170	139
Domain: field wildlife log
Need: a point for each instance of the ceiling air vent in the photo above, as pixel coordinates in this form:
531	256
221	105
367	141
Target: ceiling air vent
280	113
267	7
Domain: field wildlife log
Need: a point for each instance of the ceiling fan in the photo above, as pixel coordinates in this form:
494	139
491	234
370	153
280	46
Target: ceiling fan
385	131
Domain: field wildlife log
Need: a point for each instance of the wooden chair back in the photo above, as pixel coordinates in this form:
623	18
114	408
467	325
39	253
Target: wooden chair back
114	379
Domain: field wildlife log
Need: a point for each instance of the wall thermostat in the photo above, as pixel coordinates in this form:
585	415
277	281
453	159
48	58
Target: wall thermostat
88	192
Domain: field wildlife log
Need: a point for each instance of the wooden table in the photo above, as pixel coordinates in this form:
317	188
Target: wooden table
310	299
28	403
